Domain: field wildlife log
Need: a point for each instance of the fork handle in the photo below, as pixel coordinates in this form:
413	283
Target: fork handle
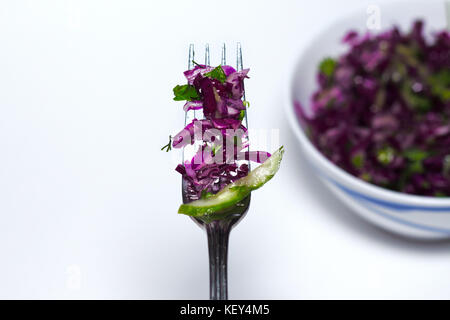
218	233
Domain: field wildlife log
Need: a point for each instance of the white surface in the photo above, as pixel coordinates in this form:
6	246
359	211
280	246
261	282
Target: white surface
84	189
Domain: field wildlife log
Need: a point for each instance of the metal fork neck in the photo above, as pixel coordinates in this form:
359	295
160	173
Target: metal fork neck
218	234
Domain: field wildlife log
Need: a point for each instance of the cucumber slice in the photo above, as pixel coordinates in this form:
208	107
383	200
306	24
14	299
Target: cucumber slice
235	192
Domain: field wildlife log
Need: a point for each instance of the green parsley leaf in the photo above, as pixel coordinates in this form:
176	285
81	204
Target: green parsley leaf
168	146
415	100
242	115
440	84
185	92
385	155
415	154
358	160
327	66
217	73
215	149
415	167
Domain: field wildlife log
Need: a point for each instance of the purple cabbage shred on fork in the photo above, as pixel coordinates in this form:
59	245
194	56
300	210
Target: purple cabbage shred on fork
218	92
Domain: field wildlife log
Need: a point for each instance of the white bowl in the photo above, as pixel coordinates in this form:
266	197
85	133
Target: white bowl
408	215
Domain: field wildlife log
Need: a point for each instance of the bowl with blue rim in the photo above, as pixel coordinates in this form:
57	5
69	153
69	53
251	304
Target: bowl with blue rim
405	214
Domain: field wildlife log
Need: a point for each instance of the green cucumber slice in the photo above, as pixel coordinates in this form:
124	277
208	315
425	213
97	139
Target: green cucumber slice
235	192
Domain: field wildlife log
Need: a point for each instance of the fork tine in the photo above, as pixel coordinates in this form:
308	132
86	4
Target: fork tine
191	56
239	62
240	67
207	54
224	55
187	118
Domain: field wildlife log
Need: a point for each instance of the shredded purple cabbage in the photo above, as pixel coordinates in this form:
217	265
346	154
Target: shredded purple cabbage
382	110
219	93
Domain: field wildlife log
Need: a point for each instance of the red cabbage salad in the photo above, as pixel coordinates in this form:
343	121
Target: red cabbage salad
220	135
382	110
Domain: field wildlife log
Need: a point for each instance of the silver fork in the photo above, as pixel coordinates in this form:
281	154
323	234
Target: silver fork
218	231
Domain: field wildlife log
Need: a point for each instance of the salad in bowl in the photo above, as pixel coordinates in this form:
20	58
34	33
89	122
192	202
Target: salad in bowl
375	123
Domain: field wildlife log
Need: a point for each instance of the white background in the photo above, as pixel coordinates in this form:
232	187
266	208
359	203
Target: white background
88	201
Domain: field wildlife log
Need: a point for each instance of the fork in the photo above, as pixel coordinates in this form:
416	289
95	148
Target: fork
218	231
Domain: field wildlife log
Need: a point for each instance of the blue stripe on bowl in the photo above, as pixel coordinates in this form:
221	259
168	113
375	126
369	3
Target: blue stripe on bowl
388	204
422	227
